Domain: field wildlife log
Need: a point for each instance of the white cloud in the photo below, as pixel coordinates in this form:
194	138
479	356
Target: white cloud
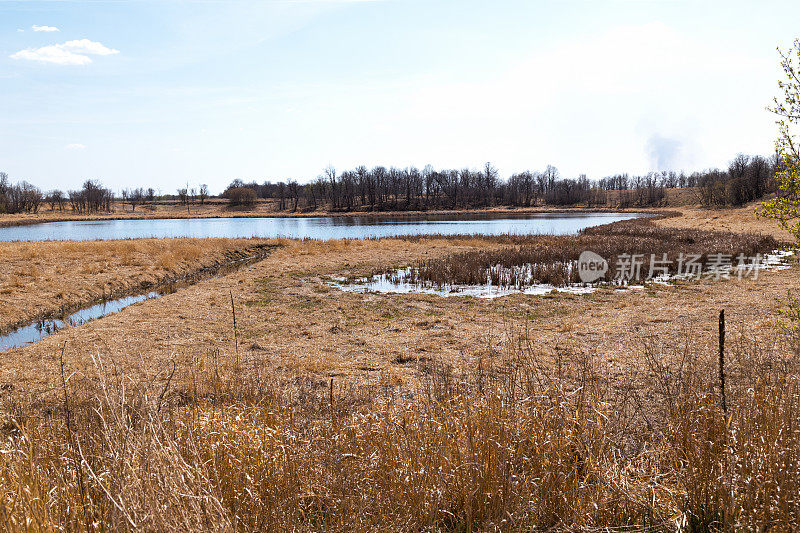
44	28
69	53
85	46
52	54
75	146
20	30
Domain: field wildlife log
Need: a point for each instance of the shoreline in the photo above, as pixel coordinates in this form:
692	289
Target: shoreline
51	280
29	221
285	309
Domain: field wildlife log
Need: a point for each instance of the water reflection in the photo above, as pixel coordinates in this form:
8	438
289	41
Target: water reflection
322	228
43	328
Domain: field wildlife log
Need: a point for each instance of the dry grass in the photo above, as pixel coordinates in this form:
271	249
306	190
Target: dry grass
521	441
46	278
303	327
567	412
737	220
553	259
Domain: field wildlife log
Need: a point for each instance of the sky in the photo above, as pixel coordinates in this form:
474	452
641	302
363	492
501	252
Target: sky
165	93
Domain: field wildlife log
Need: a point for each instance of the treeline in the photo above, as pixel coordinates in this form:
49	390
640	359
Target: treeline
26	198
134	197
92	197
20	198
747	178
388	189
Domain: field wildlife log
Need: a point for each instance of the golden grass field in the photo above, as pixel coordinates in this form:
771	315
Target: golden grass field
328	410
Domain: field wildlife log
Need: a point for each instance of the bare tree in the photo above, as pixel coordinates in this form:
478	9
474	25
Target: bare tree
136	197
294	194
55	198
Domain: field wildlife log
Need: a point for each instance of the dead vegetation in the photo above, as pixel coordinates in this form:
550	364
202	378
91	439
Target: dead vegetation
521	440
549	259
50	278
332	411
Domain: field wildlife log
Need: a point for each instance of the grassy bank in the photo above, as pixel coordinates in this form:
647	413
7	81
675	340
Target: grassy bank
564	412
50	278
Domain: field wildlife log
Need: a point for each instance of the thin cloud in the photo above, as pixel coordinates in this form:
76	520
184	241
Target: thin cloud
69	53
44	28
75	146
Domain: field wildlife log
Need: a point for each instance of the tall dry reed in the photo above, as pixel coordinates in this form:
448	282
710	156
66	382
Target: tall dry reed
522	439
525	261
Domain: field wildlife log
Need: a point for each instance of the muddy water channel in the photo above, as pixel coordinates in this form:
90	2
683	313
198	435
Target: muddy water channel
36	330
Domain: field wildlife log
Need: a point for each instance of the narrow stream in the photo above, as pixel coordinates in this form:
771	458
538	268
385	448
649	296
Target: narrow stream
42	328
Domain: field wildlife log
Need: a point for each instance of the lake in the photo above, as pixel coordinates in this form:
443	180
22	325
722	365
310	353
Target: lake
321	228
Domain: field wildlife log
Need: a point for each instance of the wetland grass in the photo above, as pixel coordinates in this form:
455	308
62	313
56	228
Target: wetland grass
519	441
50	279
547	259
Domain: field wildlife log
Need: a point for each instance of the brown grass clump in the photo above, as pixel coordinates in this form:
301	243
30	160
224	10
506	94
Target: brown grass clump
733	470
553	259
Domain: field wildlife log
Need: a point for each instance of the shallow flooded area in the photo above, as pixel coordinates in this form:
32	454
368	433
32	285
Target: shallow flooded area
406	281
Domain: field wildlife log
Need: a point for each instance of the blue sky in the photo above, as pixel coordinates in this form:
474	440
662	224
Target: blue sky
165	92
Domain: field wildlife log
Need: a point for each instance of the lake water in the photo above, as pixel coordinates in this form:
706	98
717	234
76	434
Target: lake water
322	228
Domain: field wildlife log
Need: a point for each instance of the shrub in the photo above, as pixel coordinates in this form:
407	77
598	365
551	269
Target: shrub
241	196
